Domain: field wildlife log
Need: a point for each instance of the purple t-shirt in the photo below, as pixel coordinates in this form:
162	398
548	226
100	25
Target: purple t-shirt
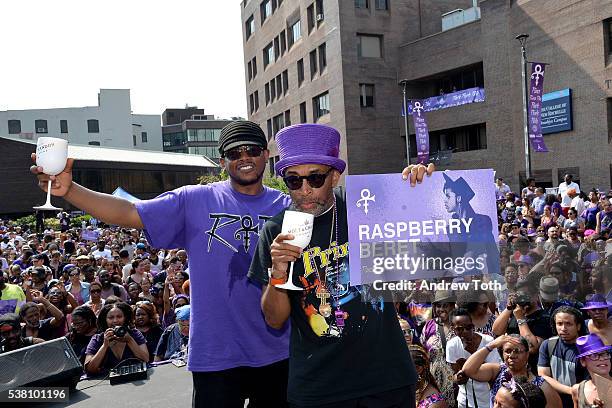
219	228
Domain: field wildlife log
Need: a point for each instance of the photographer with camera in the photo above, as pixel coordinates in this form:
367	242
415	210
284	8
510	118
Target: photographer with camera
524	316
116	342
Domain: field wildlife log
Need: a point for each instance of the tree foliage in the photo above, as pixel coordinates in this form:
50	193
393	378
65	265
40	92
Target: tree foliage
272	182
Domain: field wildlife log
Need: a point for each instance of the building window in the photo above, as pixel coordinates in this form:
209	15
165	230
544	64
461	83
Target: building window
288	117
249	71
607	25
249	27
574	171
382	5
285	82
93	126
251	104
609	112
278	122
14	126
94	143
313	63
303	118
267	93
363	4
269	129
268	54
277	50
320	16
322	58
283	42
366	95
254	67
143	137
300	71
256	98
63	126
279	86
41	126
273	89
134	139
265	9
320	105
310	17
460	139
295	32
369	46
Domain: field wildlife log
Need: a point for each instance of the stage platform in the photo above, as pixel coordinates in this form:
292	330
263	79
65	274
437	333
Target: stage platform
167	386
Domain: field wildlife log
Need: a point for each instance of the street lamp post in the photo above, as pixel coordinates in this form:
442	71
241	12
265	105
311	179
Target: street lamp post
522	39
404	83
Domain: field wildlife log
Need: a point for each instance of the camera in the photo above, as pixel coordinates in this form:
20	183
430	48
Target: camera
119	331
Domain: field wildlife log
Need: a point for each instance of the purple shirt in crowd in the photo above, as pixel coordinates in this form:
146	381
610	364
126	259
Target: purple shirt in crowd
219	228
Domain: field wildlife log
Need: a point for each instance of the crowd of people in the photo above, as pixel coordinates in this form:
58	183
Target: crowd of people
114	299
542	338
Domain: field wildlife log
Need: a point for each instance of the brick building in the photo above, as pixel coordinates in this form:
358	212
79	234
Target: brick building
340	62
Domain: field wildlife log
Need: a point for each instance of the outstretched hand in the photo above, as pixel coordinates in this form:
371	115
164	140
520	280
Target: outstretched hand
60	184
416	172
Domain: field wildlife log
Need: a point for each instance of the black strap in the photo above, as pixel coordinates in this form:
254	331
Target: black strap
442	339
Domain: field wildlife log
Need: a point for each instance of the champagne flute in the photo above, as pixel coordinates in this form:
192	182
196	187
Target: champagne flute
51	155
299	224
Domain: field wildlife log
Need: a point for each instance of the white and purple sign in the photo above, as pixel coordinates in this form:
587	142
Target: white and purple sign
458	98
444	227
87	235
536	91
421	131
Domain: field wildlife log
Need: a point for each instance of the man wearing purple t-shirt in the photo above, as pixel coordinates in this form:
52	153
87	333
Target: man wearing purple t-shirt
233	354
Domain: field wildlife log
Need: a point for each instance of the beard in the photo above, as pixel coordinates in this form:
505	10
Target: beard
319	208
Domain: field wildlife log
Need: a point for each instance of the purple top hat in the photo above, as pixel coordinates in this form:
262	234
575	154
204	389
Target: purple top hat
308	143
596	301
590	344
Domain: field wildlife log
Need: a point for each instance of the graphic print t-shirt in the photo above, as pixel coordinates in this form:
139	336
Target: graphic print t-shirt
329	363
219	228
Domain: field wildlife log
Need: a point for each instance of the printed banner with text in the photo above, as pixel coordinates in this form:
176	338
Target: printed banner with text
421	131
536	91
444	227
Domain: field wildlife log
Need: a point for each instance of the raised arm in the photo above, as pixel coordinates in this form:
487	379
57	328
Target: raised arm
105	207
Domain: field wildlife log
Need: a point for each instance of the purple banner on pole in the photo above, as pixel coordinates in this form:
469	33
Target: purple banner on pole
446	226
463	97
421	130
534	109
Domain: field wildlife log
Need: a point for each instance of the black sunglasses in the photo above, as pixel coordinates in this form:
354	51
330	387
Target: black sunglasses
315	180
251	151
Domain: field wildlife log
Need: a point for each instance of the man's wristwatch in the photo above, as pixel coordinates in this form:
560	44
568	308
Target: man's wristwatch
274	281
521	322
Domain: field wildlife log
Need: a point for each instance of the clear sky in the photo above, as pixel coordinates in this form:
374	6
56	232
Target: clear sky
59	53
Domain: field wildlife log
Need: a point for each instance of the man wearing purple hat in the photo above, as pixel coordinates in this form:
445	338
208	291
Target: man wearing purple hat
597	308
595	357
344	351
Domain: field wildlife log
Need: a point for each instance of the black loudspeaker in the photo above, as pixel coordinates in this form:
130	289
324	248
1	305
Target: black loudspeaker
49	364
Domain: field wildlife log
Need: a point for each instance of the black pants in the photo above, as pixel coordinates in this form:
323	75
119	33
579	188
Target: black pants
399	398
265	387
